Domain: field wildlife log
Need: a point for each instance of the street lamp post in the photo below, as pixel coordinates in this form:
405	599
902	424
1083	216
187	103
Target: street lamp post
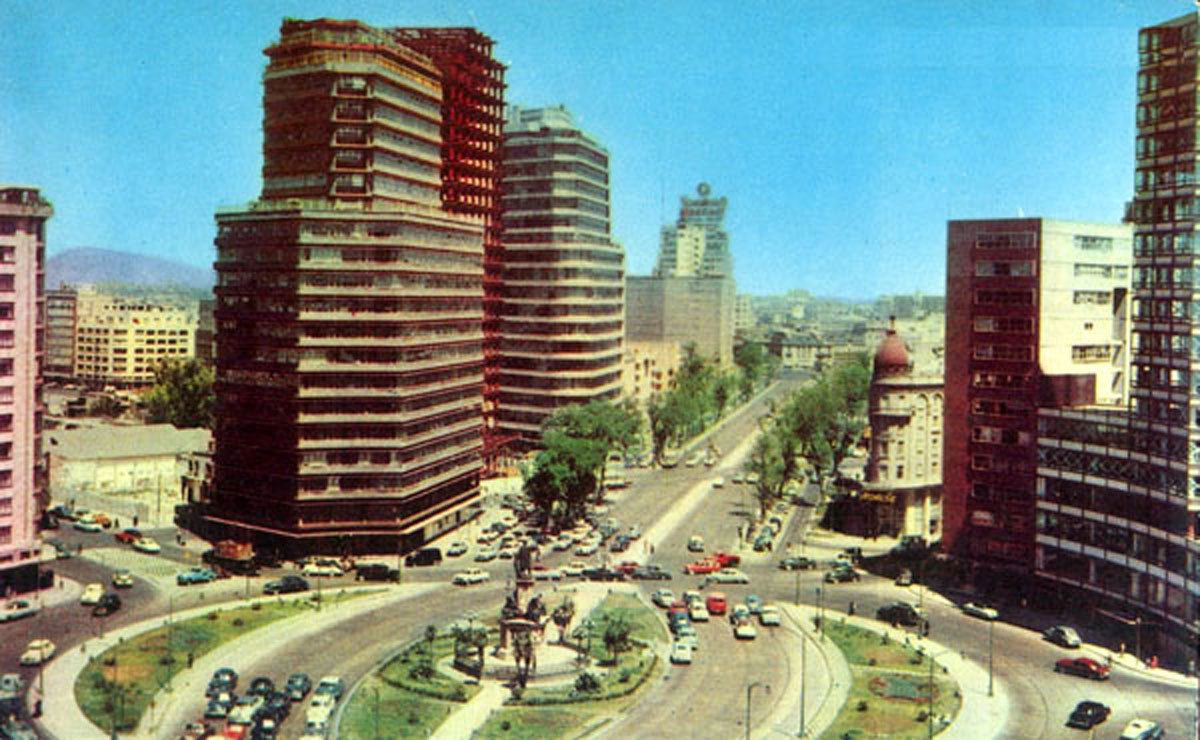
803	690
820	612
749	689
991	628
931	657
797	587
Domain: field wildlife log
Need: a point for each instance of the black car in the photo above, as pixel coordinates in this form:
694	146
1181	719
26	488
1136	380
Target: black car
424	556
620	544
278	706
376	572
261	686
1088	714
899	613
842	575
107	604
603	574
298	685
227	677
796	562
650	573
286	585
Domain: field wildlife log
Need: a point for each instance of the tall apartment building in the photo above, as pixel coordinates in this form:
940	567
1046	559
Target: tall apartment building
697	245
60	334
23	215
1036	316
122	341
562	313
350	296
686	310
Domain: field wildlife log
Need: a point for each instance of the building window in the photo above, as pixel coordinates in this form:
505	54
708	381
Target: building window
1006	240
1094	243
1092	297
1023	268
1091	353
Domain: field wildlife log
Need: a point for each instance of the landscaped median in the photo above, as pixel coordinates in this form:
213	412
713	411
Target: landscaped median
892	679
117	686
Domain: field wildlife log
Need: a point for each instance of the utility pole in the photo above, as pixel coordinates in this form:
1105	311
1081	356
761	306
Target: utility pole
803	690
749	689
991	627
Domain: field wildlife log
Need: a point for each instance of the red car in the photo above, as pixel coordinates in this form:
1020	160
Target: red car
1085	667
700	567
726	559
628	567
128	536
677	607
716	603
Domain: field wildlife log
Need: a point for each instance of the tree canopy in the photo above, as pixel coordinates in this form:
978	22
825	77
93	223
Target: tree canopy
182	394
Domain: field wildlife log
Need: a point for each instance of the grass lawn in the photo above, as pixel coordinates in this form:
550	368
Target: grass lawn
404	671
379	709
116	686
889	693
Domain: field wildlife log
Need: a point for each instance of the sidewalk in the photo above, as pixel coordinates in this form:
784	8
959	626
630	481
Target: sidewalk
63	719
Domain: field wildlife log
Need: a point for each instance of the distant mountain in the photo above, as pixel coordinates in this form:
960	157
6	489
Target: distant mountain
108	266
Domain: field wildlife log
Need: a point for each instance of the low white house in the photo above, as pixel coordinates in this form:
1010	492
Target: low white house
121	459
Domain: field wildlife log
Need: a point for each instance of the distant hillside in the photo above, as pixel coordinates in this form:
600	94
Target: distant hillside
108	266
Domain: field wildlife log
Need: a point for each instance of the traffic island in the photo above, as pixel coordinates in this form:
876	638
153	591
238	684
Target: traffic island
897	690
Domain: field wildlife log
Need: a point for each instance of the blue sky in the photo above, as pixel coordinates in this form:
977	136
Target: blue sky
844	135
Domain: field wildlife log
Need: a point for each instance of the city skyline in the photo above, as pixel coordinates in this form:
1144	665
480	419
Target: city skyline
843	138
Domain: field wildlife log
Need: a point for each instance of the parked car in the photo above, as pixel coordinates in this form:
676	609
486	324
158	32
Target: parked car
122	578
108	604
905	578
697	613
769	616
147	545
1142	729
842	575
289	584
298	685
663	597
650	573
1088	714
701	567
716	603
331	686
1085	667
603	574
695	543
128	536
469	576
196	575
899	613
18	609
548	574
796	562
87	525
1062	635
739	613
485	555
322	570
456	549
727	575
574	568
37	652
754	603
91	594
983	611
681	653
745	630
261	686
377	572
424	556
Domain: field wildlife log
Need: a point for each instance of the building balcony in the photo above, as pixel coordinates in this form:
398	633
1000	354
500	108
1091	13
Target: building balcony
411	440
467	468
387	342
399	417
398	317
325	366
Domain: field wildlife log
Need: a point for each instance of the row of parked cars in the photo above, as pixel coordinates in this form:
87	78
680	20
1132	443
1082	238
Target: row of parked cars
258	712
691	607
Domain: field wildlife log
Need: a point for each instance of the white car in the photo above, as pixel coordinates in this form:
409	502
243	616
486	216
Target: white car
91	594
18	609
698	612
769	616
681	652
470	576
745	631
587	548
87	525
718	482
145	544
549	574
322	569
484	556
562	544
727	575
980	610
456	549
574	568
122	578
663	597
1142	729
37	652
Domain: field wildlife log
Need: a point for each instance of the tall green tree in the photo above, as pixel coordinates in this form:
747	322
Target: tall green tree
616	632
182	394
564	475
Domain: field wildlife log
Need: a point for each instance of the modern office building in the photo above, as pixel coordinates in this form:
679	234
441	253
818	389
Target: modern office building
350	296
60	334
563	305
1036	316
120	342
23	215
696	245
687	310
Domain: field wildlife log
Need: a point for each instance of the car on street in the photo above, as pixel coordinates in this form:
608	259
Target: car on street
147	545
681	653
587	548
122	578
716	603
745	630
216	710
195	575
548	574
797	562
905	578
842	575
726	559
769	616
1142	729
727	575
298	685
695	543
108	604
718	482
331	686
739	613
289	584
485	555
1085	667
261	686
469	576
128	536
701	567
983	611
91	594
899	612
698	613
1063	636
689	637
323	570
574	568
603	574
663	597
37	652
18	609
87	525
754	603
456	549
1088	714
650	573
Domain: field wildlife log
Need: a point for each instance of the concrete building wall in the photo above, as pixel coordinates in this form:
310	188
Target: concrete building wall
121	341
649	368
695	310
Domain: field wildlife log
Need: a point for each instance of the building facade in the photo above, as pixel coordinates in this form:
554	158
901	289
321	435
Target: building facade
902	485
121	341
562	315
350	296
697	245
693	310
23	216
649	368
60	334
1037	315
